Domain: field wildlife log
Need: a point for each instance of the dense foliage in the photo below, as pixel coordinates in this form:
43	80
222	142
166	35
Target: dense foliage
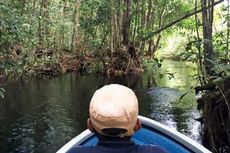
33	30
53	37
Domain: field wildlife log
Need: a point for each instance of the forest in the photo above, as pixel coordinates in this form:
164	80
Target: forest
45	39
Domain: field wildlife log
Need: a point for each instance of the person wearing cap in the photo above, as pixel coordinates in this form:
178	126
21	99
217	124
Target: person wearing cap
114	119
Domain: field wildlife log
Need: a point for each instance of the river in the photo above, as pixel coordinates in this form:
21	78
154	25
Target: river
39	116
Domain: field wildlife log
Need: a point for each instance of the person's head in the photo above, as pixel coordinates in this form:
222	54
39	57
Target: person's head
113	111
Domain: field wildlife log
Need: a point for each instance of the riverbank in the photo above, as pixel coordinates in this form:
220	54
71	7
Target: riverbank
215	105
48	63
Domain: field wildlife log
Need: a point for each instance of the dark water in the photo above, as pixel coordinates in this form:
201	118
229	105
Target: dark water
42	115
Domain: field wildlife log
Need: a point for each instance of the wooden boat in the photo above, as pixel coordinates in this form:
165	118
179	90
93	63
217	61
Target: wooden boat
152	132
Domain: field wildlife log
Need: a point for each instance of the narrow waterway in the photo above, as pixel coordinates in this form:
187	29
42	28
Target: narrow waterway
42	115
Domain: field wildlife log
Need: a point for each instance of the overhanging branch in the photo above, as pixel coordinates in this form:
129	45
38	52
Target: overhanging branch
190	13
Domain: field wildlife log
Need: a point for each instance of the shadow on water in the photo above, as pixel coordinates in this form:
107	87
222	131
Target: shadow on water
42	115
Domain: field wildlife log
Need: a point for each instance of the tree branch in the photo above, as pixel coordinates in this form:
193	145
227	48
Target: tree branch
190	13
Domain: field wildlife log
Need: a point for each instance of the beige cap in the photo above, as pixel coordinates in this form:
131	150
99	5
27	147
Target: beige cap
114	106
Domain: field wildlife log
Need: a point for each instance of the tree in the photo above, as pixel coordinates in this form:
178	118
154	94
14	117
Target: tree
116	20
207	21
121	15
127	15
228	32
43	29
76	37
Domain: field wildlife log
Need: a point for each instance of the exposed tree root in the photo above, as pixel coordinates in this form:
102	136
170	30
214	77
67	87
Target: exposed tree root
122	61
215	105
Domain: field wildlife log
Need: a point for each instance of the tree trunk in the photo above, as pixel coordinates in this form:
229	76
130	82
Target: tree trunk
114	27
155	41
75	45
148	26
137	22
155	45
207	19
43	29
127	21
45	19
119	21
199	59
149	15
228	33
62	38
40	33
143	22
77	25
116	24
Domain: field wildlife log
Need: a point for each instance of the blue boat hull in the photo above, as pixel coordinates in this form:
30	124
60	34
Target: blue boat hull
151	132
149	136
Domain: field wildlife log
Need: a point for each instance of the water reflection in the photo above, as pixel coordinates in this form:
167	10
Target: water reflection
173	102
42	115
180	75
